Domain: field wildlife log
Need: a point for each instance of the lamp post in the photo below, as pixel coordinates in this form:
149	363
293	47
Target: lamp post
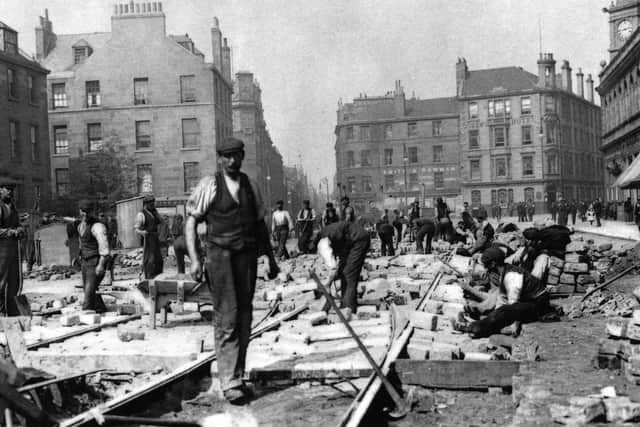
405	159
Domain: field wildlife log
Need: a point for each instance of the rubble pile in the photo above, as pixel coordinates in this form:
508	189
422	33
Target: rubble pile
621	349
132	258
51	272
57	304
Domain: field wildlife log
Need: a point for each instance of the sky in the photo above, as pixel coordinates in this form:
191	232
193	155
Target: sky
308	54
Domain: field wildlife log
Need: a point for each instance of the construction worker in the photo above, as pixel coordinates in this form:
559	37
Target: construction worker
231	204
281	226
94	255
146	225
10	233
306	219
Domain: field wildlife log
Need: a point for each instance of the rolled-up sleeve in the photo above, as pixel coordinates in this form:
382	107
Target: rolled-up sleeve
99	231
201	198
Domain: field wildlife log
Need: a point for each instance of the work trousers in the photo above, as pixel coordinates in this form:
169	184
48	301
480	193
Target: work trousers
151	256
427	230
563	218
90	283
282	234
386	241
350	266
232	282
180	251
304	238
398	227
573	218
9	277
507	314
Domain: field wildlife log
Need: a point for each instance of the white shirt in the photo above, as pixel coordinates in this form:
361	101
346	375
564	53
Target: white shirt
99	231
281	217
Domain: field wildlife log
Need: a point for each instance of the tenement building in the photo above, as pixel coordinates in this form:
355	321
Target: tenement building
391	150
263	161
138	87
24	162
528	136
619	91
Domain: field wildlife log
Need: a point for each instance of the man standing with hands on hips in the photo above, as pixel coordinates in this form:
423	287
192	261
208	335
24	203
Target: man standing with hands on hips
231	204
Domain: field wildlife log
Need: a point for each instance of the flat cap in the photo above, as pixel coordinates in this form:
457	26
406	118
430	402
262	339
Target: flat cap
85	204
493	254
148	198
229	145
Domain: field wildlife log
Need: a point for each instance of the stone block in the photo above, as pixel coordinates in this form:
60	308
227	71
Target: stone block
418	351
127	334
555	271
617	329
35	307
69	319
477	356
585	279
564	288
452	309
423	320
567	279
315	318
605	247
444	351
621	409
576	246
575	257
576	267
89	319
434	307
556	262
633	332
553	280
423	335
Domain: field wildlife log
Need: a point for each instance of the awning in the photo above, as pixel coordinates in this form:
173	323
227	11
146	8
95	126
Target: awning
630	177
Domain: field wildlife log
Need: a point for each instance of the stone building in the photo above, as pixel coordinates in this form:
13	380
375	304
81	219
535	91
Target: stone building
297	188
391	150
528	136
263	161
24	163
619	91
142	89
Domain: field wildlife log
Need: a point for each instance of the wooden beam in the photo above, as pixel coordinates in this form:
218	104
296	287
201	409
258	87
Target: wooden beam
15	340
456	374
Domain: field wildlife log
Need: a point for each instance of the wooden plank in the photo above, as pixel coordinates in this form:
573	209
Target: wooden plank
456	374
284	373
15	340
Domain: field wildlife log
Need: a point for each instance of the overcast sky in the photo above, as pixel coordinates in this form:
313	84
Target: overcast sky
308	54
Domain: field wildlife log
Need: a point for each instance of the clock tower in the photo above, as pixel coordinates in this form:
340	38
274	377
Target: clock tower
624	19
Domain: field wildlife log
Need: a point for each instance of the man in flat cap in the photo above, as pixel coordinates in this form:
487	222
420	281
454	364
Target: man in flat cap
231	204
10	233
306	219
94	255
281	226
147	224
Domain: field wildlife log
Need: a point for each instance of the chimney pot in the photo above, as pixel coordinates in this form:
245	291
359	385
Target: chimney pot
580	82
159	6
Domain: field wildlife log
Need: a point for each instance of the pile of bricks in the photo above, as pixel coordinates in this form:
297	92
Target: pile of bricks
621	349
51	272
132	258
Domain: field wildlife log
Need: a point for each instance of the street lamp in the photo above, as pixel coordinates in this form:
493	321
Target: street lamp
405	159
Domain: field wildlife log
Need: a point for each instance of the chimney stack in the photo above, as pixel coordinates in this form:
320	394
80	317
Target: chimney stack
580	78
226	60
566	76
462	72
589	88
216	44
399	106
546	71
45	37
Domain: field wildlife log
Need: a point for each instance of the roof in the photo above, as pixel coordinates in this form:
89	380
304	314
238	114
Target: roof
61	57
498	81
6	27
431	107
382	108
183	39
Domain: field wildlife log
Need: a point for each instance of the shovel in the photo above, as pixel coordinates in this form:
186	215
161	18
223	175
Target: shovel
402	408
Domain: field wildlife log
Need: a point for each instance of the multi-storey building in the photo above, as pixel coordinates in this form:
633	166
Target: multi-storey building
138	87
619	91
391	150
24	163
527	136
262	161
297	188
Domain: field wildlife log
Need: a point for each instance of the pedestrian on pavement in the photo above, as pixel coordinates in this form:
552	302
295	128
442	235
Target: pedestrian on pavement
73	242
590	215
10	233
306	220
554	211
563	211
146	225
597	210
425	229
231	204
349	241
531	209
177	227
281	226
573	210
94	255
628	210
164	235
637	213
398	222
583	211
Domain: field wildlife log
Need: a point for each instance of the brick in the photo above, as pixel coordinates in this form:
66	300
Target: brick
555	271
564	288
69	319
553	280
576	246
567	279
444	351
576	267
423	320
621	409
617	329
452	309
585	279
417	351
314	318
556	262
434	307
89	319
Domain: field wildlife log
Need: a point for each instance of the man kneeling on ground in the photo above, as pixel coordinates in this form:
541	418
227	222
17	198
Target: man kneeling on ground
522	298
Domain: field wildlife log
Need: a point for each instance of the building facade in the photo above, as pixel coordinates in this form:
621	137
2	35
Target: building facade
619	92
297	188
263	161
24	163
527	136
391	150
138	88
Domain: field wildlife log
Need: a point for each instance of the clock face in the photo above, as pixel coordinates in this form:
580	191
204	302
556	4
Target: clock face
625	28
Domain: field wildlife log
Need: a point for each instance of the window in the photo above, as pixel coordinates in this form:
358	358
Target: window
187	89
413	179
526	135
388	156
59	95
499	136
190	133
191	175
365	158
13	84
437	153
33	137
351	184
412	153
94	136
366	184
388	132
412	129
499	108
92	89
552	163
62	182
350	133
528	194
549	105
389	182
365	134
10	41
525	105
435	127
474	169
473	139
527	165
438	180
476	198
33	95
351	161
143	134
501	167
145	178
13	139
60	140
79	53
140	91
473	110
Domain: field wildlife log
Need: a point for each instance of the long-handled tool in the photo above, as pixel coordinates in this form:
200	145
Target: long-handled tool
402	407
611	280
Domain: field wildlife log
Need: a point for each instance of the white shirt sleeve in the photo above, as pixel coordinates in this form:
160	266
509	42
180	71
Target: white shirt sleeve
99	231
513	283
